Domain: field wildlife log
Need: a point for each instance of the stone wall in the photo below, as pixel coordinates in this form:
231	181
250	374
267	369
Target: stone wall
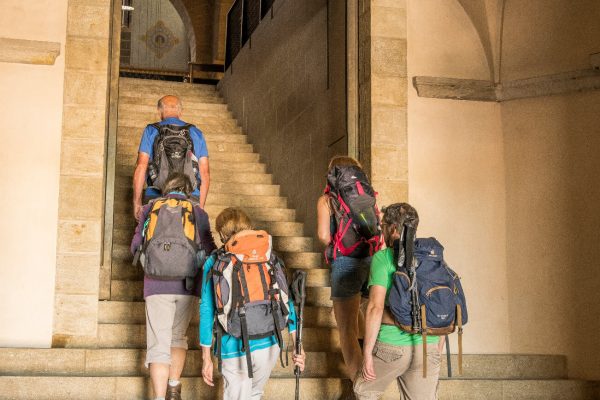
382	97
287	89
81	187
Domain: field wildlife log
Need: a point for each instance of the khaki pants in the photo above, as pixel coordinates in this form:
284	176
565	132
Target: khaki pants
167	320
237	384
405	365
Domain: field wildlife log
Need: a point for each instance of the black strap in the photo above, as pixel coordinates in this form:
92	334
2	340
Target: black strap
263	280
218	345
242	280
448	360
245	340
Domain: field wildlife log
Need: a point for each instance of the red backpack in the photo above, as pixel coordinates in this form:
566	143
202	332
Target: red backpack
354	207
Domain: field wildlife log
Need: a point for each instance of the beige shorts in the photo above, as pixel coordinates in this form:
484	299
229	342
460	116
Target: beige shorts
403	364
167	320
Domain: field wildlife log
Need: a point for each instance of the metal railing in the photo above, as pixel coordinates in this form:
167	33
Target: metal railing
242	19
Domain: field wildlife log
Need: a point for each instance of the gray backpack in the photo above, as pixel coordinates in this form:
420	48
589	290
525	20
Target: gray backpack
170	251
173	152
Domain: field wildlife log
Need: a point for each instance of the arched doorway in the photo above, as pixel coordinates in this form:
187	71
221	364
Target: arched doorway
156	35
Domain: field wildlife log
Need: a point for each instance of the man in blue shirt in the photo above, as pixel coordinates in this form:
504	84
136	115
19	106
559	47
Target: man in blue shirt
169	109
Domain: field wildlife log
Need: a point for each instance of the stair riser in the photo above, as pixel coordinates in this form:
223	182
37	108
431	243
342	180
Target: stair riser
130	137
130	362
201	102
123	206
130	159
116	312
127	290
133	388
212	147
217	176
140	120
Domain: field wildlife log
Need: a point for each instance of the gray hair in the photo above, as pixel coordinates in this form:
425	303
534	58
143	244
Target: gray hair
160	105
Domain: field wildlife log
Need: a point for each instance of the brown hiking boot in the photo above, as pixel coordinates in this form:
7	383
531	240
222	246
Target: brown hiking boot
173	392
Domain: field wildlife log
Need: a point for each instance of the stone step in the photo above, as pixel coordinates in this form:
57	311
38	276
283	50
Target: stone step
192	104
127	136
133	388
198	112
208	129
126	227
216	175
122	270
122	204
199	118
215	164
123	189
138	83
248	157
133	336
304	259
130	287
133	312
129	96
318	296
129	362
213	147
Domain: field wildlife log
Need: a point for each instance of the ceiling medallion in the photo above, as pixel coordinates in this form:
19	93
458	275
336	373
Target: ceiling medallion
160	39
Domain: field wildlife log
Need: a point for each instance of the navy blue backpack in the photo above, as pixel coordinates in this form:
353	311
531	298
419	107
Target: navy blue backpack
441	303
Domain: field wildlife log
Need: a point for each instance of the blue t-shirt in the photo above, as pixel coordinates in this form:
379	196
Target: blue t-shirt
231	347
147	146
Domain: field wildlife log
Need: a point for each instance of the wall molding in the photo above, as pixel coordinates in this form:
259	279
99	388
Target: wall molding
22	51
482	90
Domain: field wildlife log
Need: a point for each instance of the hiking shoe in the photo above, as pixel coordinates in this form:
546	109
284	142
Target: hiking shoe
173	392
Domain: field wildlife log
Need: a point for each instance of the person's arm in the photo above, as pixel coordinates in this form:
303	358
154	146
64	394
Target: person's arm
207	317
372	324
204	179
139	176
297	359
323	220
204	237
138	239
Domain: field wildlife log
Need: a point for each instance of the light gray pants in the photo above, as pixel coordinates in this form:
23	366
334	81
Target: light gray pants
237	385
403	364
167	320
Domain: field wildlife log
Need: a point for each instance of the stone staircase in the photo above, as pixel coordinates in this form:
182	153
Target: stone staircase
111	366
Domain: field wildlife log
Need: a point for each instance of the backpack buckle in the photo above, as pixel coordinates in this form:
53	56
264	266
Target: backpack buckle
167	246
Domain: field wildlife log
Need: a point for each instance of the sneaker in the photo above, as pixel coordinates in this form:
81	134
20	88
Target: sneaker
173	392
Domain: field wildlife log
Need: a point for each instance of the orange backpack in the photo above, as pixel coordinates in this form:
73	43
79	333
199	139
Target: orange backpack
251	290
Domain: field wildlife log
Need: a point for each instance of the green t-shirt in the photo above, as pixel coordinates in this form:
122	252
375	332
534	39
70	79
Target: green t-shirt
382	272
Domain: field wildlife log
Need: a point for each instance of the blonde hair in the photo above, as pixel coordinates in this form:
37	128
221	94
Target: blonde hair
343	161
231	221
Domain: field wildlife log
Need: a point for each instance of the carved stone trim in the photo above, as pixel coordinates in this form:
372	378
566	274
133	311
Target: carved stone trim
477	90
23	51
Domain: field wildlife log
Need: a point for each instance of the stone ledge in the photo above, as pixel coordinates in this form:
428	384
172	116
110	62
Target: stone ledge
23	51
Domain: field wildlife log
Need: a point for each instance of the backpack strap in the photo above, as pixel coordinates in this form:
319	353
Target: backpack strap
275	306
460	332
237	300
424	336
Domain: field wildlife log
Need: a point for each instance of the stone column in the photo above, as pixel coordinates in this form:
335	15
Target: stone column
383	97
81	198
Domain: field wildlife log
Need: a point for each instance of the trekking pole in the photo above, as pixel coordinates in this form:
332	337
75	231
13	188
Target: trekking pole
409	262
299	294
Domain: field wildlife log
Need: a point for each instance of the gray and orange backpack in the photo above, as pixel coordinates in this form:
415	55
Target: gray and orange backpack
251	291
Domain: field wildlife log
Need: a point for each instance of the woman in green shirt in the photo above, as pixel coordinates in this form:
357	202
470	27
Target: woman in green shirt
390	353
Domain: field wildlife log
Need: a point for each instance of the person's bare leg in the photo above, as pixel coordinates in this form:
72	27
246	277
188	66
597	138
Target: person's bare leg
159	373
346	316
177	363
